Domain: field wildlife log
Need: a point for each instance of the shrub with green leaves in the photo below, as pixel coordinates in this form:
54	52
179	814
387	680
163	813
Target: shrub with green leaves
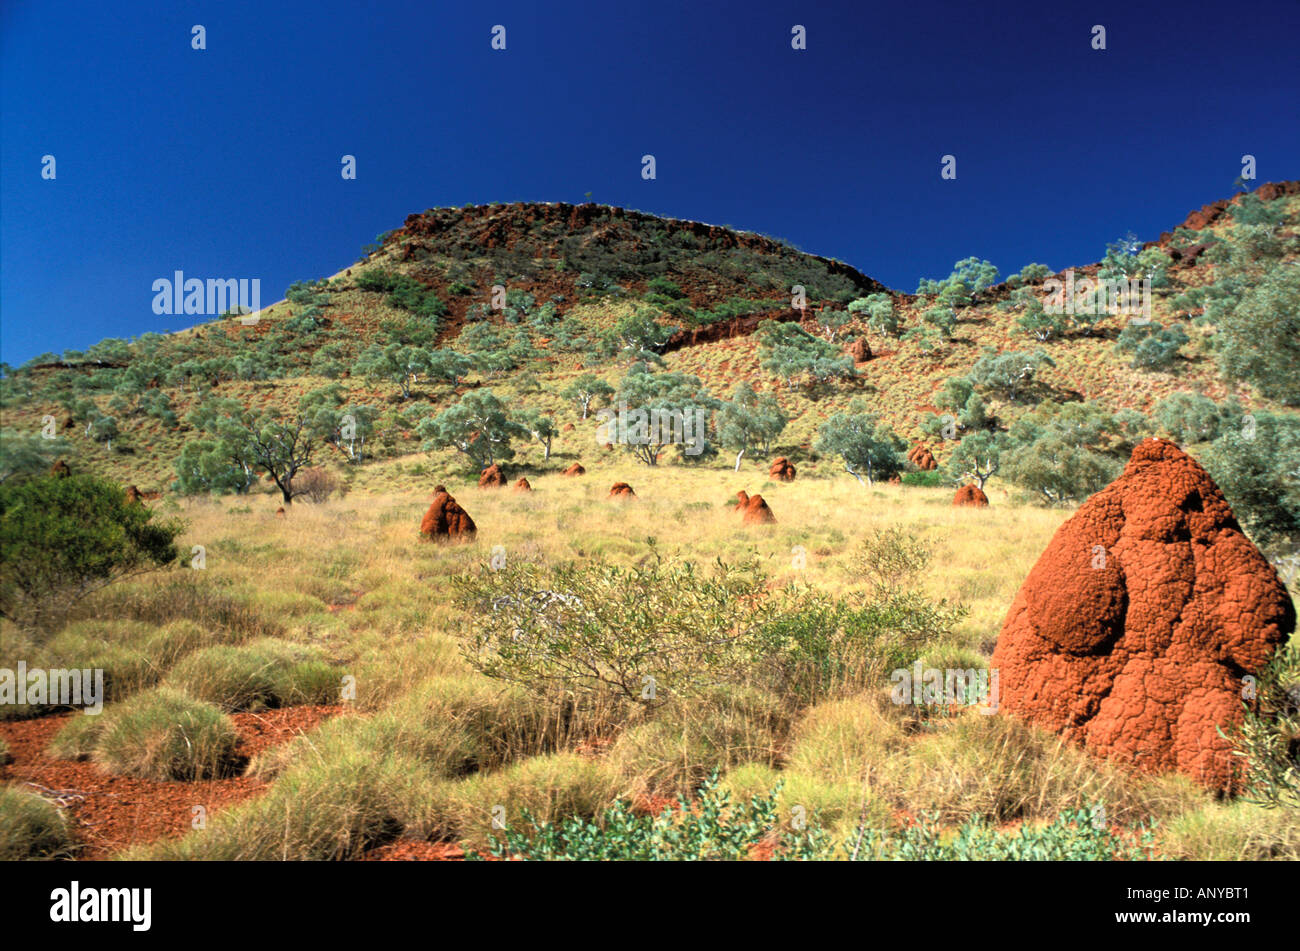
1255	461
1008	374
1258	339
708	828
31	827
958	289
1066	452
816	645
1076	836
1192	417
880	315
477	426
790	353
1153	347
863	443
62	538
644	633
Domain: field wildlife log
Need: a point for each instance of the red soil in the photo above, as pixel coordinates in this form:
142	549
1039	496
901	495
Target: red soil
108	813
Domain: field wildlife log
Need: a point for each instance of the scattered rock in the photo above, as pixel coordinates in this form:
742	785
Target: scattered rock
782	469
1132	633
575	470
446	519
621	490
971	495
492	478
523	486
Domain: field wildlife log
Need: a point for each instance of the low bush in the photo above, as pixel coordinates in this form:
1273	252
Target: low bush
62	538
709	827
160	734
331	806
31	827
266	673
1075	836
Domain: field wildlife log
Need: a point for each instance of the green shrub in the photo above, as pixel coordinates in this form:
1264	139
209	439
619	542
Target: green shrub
31	828
664	286
1073	837
62	538
710	828
1254	461
817	645
1153	347
161	734
931	479
642	633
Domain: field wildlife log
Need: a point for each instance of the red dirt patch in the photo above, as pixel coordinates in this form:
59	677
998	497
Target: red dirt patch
110	812
415	850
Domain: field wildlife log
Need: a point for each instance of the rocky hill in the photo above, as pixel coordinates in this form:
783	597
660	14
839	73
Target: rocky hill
533	295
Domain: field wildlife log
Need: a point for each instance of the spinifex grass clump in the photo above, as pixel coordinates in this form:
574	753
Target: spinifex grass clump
31	827
1269	737
709	828
159	734
266	673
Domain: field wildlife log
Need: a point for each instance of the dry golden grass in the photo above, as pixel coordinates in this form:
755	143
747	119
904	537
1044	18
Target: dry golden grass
352	578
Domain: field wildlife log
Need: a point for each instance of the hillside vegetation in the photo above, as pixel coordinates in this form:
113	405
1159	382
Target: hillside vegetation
504	335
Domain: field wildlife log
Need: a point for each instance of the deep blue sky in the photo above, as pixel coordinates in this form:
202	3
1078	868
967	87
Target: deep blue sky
225	162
